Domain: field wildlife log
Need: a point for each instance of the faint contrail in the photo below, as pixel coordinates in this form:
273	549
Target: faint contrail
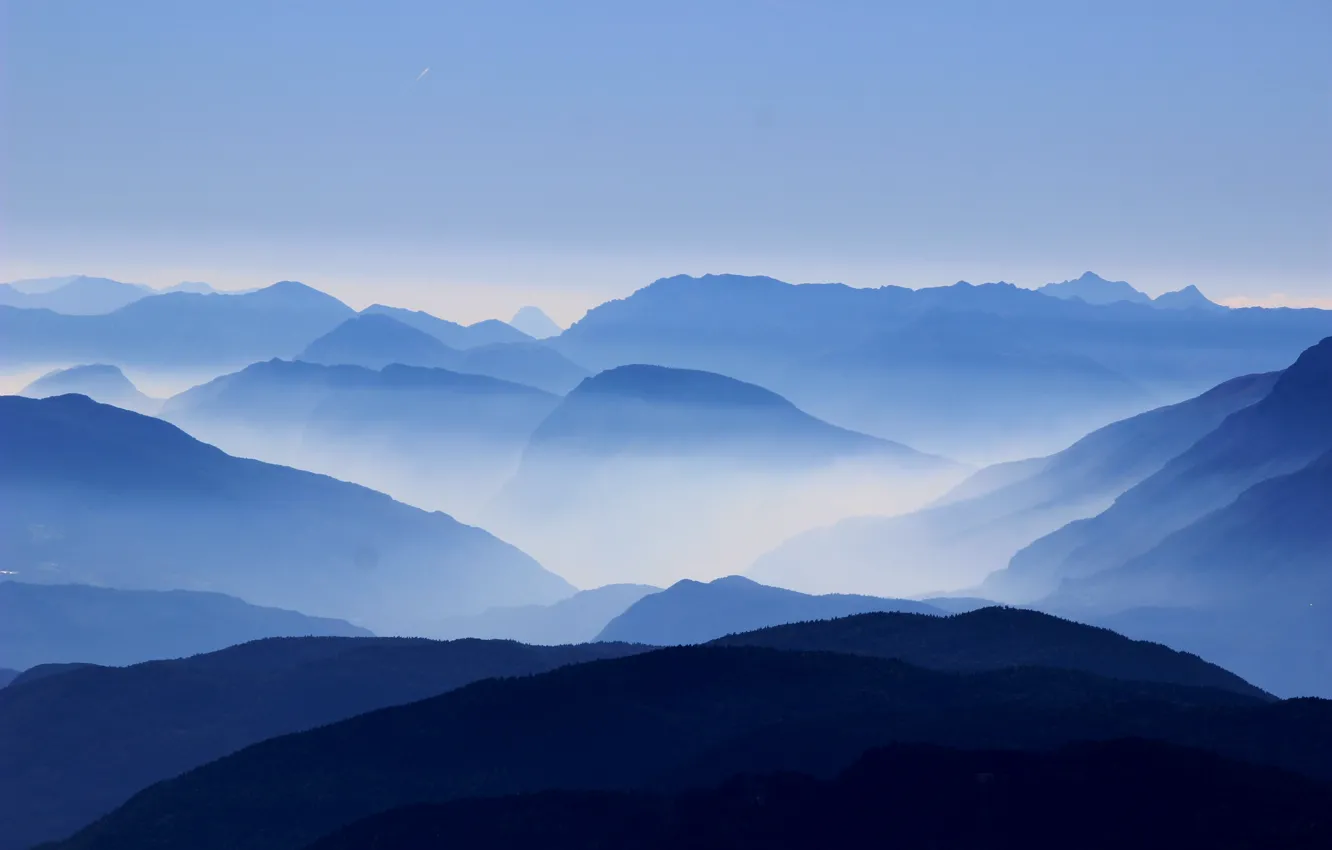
422	74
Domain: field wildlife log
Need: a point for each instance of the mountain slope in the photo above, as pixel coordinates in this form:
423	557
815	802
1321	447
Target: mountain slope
104	496
1282	433
1138	794
650	475
977	528
100	382
685	716
176	329
995	638
692	612
81	743
44	624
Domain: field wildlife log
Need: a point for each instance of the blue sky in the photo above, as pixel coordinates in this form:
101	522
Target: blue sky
562	153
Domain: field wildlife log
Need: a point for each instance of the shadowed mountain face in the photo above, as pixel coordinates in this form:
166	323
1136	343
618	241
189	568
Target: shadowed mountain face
994	638
535	323
80	742
578	619
1137	793
102	496
376	340
1283	433
431	437
1014	361
44	624
651	474
99	382
977	528
689	716
77	295
176	329
1094	289
452	334
692	612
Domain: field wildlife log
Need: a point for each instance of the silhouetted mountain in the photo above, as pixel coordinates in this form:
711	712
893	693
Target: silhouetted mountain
102	496
452	334
432	437
44	624
1282	433
376	340
650	474
99	382
681	717
1188	298
993	639
78	744
7	676
693	612
191	286
977	528
77	295
535	323
985	367
176	329
656	411
1127	793
578	619
1094	289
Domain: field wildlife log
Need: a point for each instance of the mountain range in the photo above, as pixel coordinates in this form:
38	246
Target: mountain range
377	339
1094	289
673	719
104	496
60	623
79	742
1015	361
432	437
978	527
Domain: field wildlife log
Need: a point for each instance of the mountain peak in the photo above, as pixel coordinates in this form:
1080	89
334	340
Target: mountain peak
535	323
1094	289
1188	298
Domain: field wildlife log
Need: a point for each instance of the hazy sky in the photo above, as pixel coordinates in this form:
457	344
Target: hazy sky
559	153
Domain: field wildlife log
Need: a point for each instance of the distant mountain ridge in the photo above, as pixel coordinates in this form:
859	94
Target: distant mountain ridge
379	339
75	295
452	334
690	612
535	323
176	329
57	623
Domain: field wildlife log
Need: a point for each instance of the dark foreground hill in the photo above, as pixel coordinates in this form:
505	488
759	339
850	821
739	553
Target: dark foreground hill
996	638
98	495
55	623
683	717
78	742
1104	796
7	676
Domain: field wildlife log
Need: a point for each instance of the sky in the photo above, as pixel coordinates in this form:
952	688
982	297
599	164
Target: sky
560	154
